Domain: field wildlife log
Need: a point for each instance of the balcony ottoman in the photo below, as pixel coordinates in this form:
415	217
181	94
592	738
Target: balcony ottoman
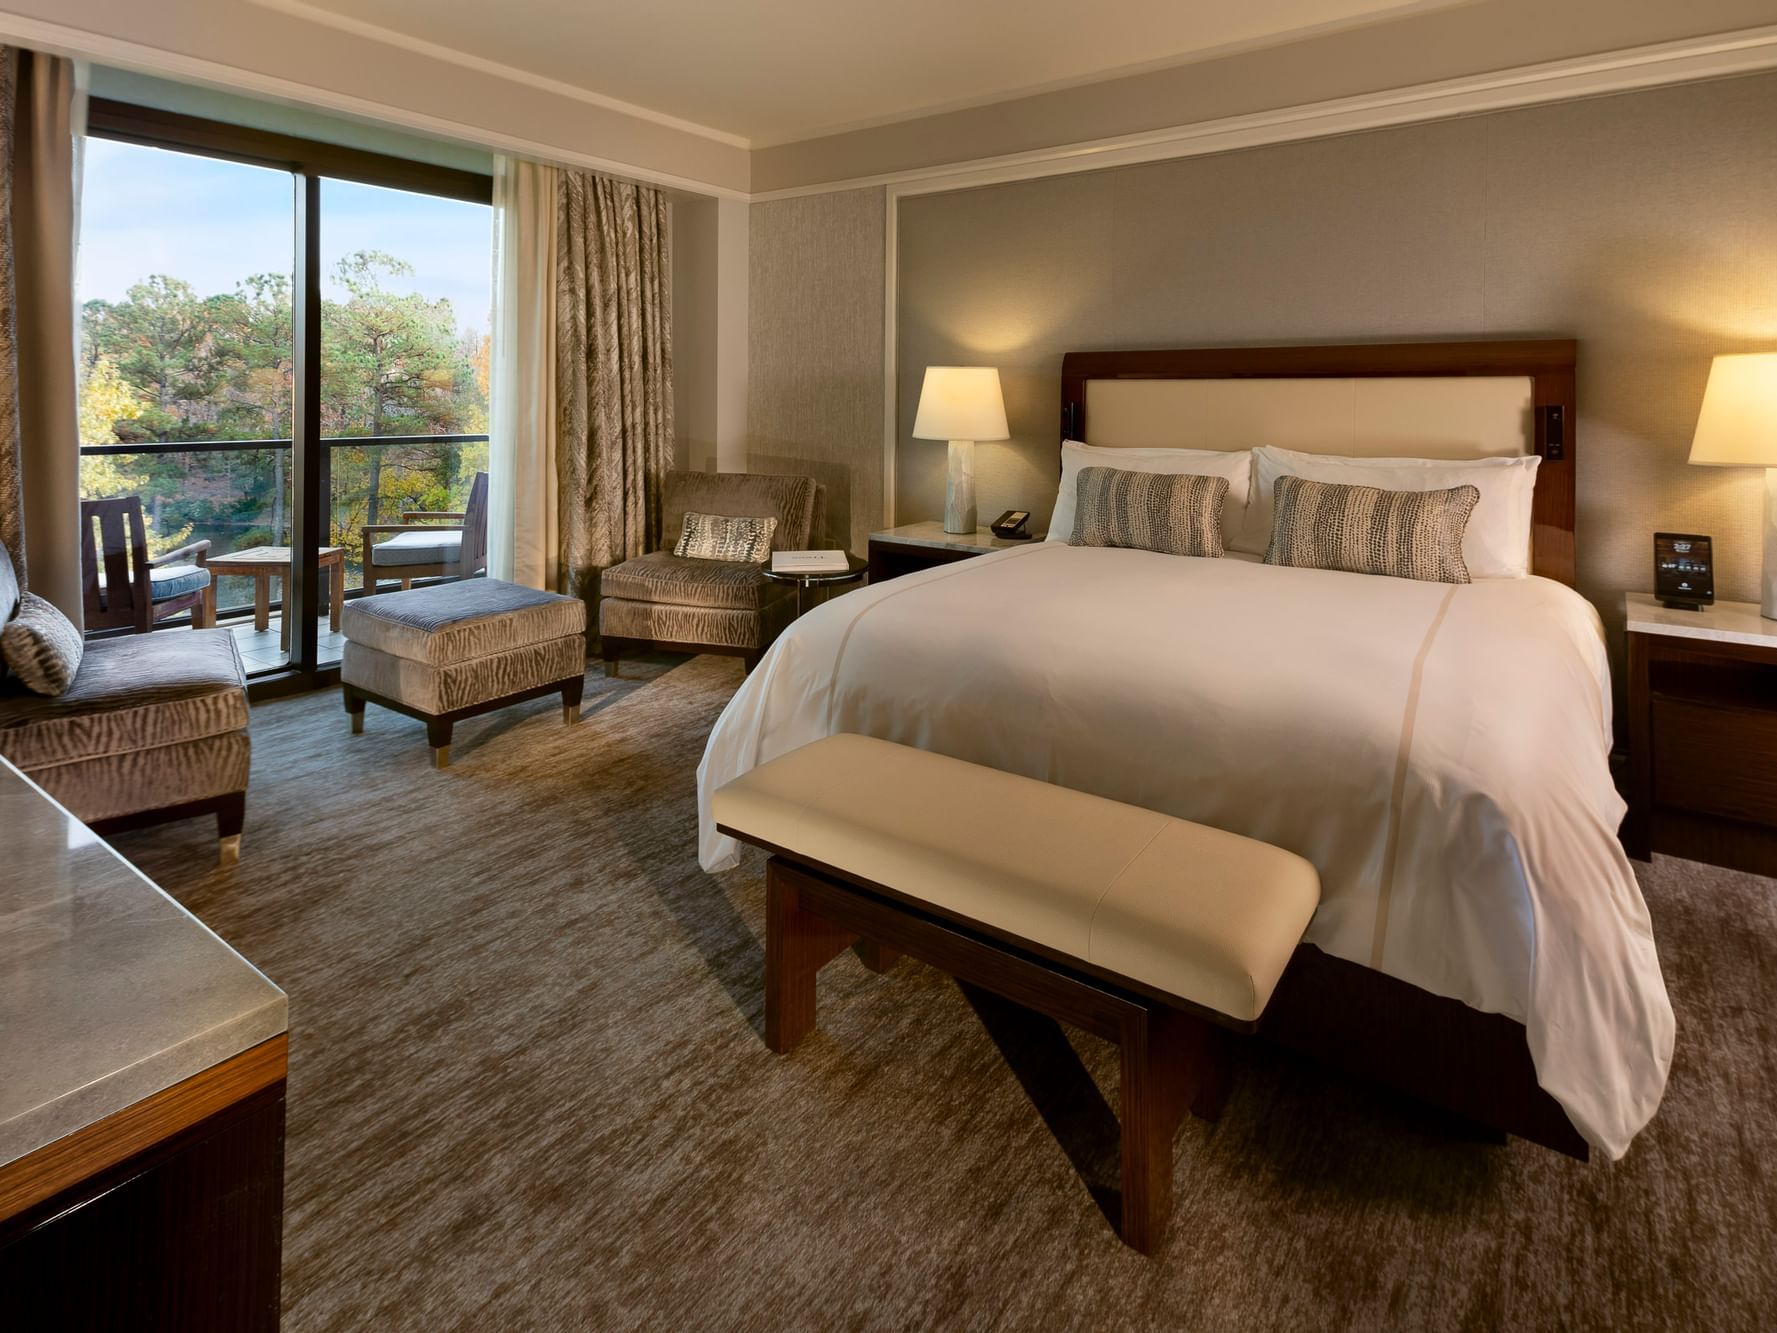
454	650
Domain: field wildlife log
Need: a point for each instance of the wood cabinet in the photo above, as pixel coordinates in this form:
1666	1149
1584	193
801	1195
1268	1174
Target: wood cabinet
1702	723
916	546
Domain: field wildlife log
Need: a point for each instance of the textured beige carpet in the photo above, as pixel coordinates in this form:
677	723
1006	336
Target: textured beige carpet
527	1089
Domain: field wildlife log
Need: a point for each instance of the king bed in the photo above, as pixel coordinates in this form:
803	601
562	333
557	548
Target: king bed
1439	751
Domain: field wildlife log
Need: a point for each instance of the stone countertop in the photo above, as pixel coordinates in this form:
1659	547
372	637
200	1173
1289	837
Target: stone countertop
1724	622
109	990
931	533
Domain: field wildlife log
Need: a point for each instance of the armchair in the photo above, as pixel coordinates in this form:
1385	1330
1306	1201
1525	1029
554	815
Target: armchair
429	544
663	601
123	587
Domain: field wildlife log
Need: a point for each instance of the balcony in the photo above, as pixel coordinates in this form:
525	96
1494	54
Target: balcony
237	494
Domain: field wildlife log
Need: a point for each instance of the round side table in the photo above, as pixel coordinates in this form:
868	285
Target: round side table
853	572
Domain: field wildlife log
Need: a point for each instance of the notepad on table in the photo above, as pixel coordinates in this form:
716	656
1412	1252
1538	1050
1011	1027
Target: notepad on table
809	562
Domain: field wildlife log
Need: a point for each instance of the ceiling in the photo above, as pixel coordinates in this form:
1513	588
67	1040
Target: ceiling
775	71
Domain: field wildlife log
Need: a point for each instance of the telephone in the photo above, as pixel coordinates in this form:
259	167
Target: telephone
1011	525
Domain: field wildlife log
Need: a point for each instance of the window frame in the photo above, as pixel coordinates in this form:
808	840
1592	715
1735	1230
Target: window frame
308	161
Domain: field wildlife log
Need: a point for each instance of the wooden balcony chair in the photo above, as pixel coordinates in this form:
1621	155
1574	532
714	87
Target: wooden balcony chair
123	586
429	545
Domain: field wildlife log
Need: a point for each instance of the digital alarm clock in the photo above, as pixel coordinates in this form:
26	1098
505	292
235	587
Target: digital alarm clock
1684	570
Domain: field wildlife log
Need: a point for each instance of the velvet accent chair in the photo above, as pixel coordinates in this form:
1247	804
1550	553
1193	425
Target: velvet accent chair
670	603
429	544
152	728
123	587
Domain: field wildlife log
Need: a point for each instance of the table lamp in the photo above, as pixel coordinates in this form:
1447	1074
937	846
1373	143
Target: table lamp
961	404
1737	427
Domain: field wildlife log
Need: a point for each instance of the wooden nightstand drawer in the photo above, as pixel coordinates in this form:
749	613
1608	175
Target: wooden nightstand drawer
1714	760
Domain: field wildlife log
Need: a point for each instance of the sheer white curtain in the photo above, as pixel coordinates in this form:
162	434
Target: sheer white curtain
524	542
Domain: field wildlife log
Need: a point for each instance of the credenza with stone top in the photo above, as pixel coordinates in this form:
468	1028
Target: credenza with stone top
142	1067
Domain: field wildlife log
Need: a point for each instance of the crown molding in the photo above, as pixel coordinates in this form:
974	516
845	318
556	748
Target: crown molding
375	32
1688	61
81	44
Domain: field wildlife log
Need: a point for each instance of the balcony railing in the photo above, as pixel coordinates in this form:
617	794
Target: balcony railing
213	504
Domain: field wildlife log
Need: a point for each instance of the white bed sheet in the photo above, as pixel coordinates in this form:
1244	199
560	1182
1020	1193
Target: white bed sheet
1439	752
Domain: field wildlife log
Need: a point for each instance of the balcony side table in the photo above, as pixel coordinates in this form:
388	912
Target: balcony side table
264	563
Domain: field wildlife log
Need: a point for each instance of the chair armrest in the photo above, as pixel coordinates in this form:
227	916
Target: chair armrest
409	515
196	553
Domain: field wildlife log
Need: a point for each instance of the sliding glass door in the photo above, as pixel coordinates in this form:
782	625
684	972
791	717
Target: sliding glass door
187	364
280	339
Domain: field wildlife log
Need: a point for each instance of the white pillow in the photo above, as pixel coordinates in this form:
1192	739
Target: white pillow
1497	543
1236	467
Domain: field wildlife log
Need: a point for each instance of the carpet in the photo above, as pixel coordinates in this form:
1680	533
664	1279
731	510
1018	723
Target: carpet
527	1088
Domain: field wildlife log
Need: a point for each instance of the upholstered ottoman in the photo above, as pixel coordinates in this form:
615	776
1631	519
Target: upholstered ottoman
458	649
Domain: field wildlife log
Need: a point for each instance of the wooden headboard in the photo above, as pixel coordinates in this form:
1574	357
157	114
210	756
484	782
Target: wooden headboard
1547	366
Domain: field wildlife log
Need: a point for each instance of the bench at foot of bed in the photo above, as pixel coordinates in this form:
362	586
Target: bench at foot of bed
1152	932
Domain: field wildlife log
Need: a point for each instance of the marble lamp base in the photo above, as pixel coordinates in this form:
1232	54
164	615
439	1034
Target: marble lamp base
959	488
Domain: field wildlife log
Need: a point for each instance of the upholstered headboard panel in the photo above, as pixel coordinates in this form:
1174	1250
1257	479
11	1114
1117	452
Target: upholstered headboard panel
1378	418
1412	400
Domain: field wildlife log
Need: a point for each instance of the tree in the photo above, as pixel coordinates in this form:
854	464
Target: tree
167	364
393	364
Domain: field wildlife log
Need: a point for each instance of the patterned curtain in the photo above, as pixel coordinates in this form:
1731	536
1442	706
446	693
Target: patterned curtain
614	373
12	487
39	428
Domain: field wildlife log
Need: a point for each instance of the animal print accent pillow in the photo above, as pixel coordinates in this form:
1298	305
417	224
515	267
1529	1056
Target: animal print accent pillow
726	537
1366	530
41	646
1174	513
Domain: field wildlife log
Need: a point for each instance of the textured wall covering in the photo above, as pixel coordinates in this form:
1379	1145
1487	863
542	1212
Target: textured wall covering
1645	225
814	354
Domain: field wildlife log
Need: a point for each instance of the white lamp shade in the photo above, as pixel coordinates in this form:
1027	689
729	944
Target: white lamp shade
961	403
1737	426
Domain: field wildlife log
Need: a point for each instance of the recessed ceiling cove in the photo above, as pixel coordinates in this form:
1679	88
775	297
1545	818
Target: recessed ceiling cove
772	71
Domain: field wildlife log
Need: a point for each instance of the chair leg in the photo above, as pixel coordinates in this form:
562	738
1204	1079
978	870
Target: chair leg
231	814
609	649
571	694
355	706
438	737
751	660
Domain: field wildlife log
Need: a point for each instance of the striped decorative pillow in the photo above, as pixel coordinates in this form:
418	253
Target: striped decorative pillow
1365	530
1172	513
726	537
41	646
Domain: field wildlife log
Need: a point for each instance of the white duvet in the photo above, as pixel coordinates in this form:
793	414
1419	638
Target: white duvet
1438	752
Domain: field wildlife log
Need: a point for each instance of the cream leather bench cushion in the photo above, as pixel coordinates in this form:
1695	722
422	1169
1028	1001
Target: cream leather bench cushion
1190	911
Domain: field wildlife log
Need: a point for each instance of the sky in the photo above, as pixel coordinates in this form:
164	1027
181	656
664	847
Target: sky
146	210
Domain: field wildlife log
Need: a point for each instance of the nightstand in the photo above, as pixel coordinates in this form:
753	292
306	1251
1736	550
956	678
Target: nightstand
1702	733
916	546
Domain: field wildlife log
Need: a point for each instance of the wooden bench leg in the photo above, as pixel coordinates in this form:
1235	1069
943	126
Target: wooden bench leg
798	944
1157	1052
571	694
877	957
